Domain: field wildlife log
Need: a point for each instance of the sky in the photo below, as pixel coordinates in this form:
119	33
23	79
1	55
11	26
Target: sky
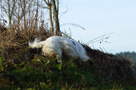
116	18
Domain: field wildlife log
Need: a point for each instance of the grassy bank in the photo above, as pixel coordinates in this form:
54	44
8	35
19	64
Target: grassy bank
22	68
44	74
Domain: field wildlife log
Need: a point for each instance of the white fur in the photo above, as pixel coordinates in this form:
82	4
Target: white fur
56	45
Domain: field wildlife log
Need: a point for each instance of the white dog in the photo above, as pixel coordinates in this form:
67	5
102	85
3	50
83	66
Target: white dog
57	46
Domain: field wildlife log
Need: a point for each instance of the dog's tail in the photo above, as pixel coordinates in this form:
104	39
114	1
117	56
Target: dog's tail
36	44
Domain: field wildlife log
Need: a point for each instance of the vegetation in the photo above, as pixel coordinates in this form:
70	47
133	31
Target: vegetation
129	55
22	68
44	74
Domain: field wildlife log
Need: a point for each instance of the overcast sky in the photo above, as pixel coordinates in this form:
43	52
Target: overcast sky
100	17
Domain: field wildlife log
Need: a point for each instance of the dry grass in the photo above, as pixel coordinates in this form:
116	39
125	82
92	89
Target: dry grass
110	65
12	41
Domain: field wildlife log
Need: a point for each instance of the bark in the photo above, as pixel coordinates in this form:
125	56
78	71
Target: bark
24	8
36	18
50	16
56	19
10	11
51	22
18	18
9	16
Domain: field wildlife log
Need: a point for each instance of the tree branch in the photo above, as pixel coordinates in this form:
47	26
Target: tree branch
13	8
57	6
47	3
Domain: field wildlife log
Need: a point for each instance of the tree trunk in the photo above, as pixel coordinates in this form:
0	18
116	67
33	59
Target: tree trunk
9	16
24	15
10	11
56	19
36	18
18	18
51	22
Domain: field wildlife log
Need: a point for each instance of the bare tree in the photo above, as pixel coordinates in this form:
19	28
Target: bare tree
53	6
24	14
23	11
18	11
55	13
48	3
9	10
36	15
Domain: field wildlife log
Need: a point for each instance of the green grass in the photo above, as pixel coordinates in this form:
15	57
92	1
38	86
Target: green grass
44	74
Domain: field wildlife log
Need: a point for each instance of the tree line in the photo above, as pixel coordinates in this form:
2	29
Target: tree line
128	55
